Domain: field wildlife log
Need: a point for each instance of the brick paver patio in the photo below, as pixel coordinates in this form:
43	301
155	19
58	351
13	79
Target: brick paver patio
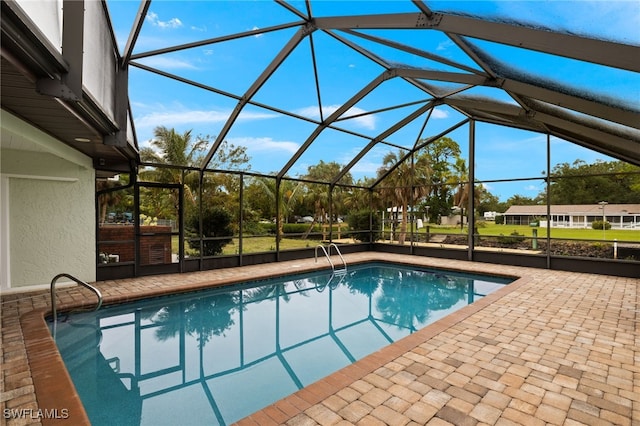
553	348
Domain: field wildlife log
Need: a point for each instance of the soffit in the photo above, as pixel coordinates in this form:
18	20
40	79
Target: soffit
27	58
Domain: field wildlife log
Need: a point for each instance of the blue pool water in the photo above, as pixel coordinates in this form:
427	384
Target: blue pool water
216	356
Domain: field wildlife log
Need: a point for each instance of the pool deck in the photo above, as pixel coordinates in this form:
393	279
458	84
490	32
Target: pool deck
553	348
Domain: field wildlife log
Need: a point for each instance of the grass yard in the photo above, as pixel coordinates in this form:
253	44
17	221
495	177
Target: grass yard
251	245
268	243
491	229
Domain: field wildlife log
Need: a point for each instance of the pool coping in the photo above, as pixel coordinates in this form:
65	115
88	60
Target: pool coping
55	391
299	401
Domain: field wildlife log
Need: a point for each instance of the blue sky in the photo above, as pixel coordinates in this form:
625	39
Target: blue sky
271	138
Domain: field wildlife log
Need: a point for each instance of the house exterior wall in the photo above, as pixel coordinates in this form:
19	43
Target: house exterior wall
48	208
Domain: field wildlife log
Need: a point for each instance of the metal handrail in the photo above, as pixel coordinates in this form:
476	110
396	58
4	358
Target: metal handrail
53	295
326	254
339	254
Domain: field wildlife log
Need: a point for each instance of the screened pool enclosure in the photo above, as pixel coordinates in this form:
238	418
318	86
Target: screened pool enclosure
232	133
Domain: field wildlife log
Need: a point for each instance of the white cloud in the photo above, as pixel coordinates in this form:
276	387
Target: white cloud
514	142
251	115
367	168
167	63
439	114
257	35
368	165
170	24
175	118
488	187
531	188
444	45
365	121
265	144
310	111
138	104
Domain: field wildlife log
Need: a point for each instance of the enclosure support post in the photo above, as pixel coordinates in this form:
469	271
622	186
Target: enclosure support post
278	219
181	223
200	242
411	202
331	188
241	219
371	213
472	193
136	227
548	201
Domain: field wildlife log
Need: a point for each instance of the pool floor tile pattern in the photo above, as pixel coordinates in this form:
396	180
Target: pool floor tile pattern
554	348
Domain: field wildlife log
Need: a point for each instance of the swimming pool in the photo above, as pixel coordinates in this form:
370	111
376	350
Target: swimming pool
216	356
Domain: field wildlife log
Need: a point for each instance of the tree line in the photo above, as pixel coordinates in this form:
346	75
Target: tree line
432	181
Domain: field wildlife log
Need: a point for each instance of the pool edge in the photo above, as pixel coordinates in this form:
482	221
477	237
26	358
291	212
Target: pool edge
50	373
296	403
58	400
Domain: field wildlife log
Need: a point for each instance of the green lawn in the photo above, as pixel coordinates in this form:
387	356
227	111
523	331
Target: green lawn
268	243
491	229
251	245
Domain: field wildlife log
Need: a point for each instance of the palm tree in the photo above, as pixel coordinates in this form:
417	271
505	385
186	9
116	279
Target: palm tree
107	199
175	149
289	196
405	184
114	194
356	199
461	197
317	195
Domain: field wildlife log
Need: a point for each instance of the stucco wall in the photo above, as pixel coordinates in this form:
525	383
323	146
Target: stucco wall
48	209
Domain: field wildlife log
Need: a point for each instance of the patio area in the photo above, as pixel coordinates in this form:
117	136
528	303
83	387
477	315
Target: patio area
554	347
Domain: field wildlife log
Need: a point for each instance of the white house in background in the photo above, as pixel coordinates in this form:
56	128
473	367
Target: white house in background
490	215
620	216
394	214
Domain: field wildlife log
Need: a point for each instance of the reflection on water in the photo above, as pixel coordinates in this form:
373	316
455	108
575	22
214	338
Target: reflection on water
215	357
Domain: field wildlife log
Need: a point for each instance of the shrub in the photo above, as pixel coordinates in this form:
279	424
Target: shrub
255	228
513	238
216	223
599	224
499	219
295	230
359	221
270	228
298	228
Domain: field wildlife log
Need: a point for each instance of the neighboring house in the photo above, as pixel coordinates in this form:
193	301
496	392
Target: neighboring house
394	214
490	215
620	216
